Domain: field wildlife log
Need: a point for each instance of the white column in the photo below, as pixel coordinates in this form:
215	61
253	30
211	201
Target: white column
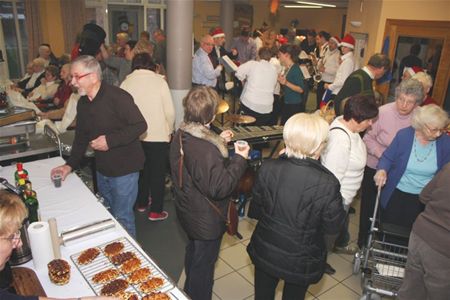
180	16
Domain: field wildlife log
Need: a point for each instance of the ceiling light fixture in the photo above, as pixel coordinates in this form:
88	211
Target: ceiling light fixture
301	6
315	3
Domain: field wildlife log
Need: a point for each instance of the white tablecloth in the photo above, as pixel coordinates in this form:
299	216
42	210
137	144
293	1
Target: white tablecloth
72	205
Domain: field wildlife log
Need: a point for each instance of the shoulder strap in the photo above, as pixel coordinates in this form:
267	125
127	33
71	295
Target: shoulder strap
342	129
180	178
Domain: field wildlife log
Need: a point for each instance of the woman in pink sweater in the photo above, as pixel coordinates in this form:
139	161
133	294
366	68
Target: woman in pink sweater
392	117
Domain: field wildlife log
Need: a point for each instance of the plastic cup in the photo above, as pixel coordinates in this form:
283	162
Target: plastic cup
241	145
57	179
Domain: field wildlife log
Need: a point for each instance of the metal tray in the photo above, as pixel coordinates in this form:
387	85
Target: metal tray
102	263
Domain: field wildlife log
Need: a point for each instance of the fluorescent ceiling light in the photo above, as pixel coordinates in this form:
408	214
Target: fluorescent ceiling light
315	3
301	6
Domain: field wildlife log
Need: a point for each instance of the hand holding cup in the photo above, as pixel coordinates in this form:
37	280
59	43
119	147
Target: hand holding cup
242	148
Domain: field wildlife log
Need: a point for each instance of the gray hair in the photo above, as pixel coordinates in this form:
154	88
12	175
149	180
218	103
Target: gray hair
411	87
90	64
429	115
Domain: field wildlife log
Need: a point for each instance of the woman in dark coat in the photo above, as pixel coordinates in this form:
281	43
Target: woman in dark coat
298	204
203	176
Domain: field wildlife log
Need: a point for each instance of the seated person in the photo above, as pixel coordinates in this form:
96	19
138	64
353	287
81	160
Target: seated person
27	85
29	71
64	88
65	116
48	87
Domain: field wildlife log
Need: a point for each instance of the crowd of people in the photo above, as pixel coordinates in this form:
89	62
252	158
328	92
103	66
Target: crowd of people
302	199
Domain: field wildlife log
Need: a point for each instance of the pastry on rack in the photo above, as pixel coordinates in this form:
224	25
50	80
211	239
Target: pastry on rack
130	265
59	271
128	296
88	255
120	258
151	284
105	276
113	248
156	296
140	275
114	288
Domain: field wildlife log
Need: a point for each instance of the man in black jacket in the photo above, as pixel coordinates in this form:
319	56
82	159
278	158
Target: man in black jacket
361	81
218	51
110	122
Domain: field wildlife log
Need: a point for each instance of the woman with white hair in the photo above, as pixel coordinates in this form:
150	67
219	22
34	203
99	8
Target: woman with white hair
415	155
427	82
297	202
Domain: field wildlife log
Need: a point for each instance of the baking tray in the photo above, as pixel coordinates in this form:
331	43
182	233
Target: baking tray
101	263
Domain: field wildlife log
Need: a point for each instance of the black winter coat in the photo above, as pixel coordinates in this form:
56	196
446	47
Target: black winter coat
297	202
206	172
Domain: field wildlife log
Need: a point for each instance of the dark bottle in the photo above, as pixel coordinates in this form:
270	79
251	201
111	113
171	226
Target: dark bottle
31	202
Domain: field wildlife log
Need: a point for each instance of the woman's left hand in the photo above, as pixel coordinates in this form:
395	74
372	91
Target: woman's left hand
227	135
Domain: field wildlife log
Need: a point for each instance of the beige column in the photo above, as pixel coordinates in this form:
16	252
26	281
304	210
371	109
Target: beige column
180	15
226	20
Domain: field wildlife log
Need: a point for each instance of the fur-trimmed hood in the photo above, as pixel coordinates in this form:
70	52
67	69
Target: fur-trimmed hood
202	132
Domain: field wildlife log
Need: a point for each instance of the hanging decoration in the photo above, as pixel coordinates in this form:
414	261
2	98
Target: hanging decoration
274	4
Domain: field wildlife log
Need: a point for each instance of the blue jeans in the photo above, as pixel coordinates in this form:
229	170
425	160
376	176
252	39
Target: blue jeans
120	194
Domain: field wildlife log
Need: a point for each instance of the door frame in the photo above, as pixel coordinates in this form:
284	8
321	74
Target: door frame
428	29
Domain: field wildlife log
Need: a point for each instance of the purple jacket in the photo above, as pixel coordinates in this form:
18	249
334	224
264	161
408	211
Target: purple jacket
395	159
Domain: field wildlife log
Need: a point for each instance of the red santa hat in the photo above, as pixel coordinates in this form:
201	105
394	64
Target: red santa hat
217	33
413	70
348	41
335	39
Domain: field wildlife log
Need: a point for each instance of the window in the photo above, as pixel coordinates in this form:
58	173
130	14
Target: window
12	16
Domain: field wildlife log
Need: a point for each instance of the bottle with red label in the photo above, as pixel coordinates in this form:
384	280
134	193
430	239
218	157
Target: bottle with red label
20	173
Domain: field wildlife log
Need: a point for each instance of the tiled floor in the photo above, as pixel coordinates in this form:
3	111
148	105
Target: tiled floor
234	274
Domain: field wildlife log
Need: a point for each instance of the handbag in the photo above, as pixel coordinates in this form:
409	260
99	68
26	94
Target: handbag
231	219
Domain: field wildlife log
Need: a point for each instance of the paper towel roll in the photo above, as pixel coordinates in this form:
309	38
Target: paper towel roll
41	244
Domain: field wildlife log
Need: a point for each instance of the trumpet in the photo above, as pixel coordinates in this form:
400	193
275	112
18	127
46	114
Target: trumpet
313	69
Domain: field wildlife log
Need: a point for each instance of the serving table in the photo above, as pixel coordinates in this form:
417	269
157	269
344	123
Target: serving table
73	205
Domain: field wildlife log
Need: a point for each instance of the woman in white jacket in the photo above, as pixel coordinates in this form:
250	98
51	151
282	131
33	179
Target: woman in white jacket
345	155
152	95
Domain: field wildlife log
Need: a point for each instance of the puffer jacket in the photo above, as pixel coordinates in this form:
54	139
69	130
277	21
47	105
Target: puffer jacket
206	173
297	202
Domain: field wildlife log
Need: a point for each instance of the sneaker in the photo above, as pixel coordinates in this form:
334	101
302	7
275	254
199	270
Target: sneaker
152	216
141	208
349	249
329	269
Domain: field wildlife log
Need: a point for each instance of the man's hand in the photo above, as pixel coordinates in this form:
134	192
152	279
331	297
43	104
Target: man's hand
99	144
64	170
234	51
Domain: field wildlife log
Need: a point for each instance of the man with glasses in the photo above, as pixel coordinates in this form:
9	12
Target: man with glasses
110	122
203	71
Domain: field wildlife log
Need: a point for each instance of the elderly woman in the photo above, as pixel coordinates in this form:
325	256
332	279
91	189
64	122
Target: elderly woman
345	155
410	162
159	113
297	203
12	214
204	178
427	83
292	83
49	86
392	117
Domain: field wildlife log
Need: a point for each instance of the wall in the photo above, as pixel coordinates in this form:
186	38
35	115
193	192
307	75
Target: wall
203	9
321	19
328	19
375	12
51	25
